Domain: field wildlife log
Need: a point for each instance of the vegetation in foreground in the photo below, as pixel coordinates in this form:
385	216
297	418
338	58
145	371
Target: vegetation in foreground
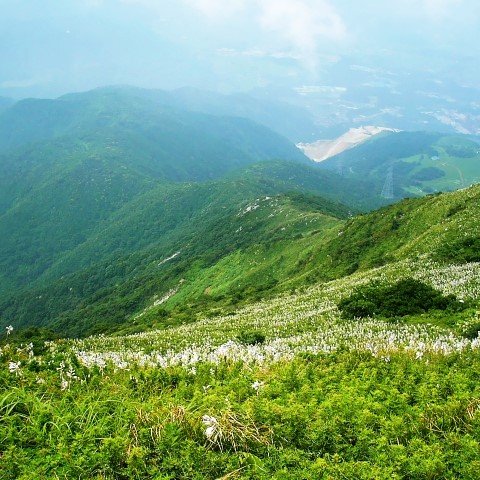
344	415
284	388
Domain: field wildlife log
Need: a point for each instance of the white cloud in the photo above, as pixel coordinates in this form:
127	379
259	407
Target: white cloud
217	9
257	53
440	9
304	24
298	27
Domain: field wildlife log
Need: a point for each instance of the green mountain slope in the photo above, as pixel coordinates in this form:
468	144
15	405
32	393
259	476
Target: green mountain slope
92	212
411	163
98	188
279	388
283	388
412	228
155	138
119	212
66	165
198	222
172	214
442	228
239	252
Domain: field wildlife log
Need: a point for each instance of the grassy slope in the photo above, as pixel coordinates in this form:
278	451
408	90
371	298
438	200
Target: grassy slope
316	397
203	235
320	396
115	224
277	244
414	228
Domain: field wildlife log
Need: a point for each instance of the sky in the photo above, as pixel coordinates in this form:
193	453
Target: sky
52	47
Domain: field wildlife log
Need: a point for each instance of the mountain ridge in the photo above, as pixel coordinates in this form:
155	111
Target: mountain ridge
86	166
219	267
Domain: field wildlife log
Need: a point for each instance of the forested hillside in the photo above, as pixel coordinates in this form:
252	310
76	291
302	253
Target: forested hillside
116	200
223	253
97	188
67	165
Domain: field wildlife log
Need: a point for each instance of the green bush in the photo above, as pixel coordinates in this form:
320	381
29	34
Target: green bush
251	337
406	297
460	251
36	336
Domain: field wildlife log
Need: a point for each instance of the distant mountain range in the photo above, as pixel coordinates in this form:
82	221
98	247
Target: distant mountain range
122	208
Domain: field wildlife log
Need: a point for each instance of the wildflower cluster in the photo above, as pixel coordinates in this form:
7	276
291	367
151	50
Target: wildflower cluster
301	323
308	322
234	431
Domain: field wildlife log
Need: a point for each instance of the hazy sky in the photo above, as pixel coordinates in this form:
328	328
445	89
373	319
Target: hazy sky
50	47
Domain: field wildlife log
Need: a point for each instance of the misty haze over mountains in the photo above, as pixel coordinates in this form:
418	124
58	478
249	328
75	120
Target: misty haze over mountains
411	65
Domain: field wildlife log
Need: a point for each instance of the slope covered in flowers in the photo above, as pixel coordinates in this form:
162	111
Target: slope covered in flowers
315	397
292	324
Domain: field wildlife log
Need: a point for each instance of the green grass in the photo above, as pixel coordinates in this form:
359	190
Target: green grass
223	352
342	416
384	400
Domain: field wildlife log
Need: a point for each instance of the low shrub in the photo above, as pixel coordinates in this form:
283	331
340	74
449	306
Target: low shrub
471	328
406	297
251	337
460	251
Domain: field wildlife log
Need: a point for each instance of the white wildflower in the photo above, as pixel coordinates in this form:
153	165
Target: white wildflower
211	423
257	385
210	430
14	367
